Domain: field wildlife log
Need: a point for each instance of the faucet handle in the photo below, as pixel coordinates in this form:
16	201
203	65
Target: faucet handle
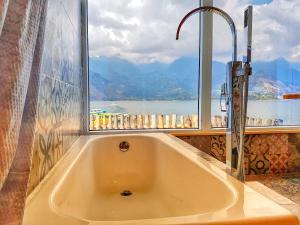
248	17
223	97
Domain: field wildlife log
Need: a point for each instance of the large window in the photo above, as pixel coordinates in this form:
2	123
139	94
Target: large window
139	75
276	60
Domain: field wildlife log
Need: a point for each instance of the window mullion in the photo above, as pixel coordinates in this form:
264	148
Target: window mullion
84	69
206	44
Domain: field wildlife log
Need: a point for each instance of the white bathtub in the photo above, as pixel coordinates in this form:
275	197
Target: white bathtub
165	183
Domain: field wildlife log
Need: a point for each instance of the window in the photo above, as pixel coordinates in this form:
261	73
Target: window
139	75
276	60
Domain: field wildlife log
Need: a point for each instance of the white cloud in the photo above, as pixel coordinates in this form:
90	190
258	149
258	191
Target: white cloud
144	30
141	30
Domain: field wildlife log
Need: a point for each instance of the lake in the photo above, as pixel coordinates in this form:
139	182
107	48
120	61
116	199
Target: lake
287	110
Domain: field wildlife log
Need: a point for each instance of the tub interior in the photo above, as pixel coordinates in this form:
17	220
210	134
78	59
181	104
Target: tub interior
150	180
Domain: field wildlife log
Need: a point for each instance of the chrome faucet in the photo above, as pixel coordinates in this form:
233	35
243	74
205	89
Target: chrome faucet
235	91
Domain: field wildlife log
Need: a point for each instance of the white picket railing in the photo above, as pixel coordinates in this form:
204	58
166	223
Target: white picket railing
154	121
161	121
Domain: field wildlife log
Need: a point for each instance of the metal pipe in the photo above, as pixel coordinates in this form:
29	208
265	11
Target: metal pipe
217	11
237	82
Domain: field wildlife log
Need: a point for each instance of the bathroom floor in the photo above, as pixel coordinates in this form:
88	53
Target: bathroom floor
283	189
287	185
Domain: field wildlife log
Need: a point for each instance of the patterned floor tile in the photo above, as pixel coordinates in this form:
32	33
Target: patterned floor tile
286	185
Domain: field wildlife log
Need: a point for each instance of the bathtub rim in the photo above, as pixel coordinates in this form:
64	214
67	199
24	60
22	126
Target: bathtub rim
179	149
40	195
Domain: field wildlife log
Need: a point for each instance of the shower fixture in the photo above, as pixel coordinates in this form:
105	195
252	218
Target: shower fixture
234	91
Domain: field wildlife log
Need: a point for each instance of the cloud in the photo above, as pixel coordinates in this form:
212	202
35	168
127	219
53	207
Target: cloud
275	29
144	30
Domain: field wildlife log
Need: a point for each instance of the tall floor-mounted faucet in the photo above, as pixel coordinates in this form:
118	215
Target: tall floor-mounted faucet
235	90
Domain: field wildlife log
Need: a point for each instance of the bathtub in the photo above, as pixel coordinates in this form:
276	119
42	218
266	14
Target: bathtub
145	179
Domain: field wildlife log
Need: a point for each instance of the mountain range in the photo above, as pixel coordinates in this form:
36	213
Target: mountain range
113	78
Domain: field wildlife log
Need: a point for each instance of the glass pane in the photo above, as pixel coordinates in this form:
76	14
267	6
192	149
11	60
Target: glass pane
276	60
139	75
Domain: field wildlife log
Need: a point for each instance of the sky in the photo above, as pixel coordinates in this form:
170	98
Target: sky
259	2
143	31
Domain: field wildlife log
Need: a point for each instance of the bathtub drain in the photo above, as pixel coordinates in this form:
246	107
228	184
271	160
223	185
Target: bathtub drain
126	193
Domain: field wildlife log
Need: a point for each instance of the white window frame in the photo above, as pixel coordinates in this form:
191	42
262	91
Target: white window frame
204	90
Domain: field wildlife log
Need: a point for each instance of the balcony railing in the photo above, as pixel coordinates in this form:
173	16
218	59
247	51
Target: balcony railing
154	121
118	121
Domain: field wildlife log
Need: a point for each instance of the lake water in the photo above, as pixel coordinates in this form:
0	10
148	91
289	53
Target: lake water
287	110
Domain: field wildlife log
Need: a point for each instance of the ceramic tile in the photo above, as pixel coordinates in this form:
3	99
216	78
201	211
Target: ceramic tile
247	164
259	144
52	112
278	143
34	177
294	150
218	147
286	185
259	163
187	139
279	163
60	114
247	143
294	158
201	142
73	10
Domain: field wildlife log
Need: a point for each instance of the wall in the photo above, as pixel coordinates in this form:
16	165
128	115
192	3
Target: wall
59	115
40	95
264	153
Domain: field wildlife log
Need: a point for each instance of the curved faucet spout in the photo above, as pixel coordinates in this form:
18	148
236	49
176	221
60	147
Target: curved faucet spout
220	12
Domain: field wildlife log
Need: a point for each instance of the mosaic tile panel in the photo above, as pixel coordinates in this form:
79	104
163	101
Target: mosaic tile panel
218	147
294	151
264	154
200	142
51	107
278	143
258	164
59	116
279	163
259	145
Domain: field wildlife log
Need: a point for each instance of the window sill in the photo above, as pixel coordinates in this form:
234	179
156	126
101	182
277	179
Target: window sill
252	130
196	132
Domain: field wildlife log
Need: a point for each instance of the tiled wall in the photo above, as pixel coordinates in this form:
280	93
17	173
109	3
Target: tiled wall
264	154
40	94
59	115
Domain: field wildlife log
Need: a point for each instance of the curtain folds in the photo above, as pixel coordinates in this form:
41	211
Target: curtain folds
21	44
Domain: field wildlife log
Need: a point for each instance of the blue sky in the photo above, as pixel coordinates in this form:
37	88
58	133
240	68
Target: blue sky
259	2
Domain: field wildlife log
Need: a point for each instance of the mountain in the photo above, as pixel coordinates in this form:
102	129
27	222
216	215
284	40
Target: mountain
113	78
118	79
